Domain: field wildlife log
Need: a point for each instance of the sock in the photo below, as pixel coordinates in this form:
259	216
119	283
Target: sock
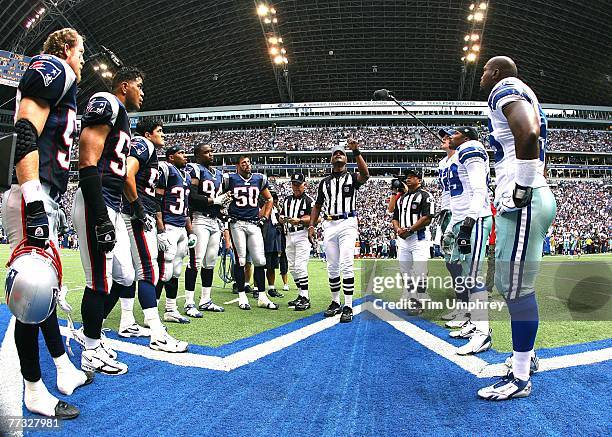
37	398
68	376
170	305
206	276
190	279
334	286
242	298
348	300
521	362
286	287
92	311
127	311
146	295
303	286
110	299
151	316
158	289
172	288
205	298
480	317
239	277
524	322
189	297
259	275
271	287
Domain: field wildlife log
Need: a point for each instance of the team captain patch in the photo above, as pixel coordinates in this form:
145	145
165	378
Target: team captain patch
47	70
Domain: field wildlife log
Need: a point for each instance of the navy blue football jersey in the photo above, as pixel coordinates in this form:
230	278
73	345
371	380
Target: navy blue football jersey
209	184
176	184
147	176
51	79
246	192
105	108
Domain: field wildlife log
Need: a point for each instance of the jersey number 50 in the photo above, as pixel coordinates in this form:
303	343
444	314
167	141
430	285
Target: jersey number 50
246	196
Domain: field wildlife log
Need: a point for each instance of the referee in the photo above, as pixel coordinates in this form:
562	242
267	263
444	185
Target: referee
295	214
337	193
412	214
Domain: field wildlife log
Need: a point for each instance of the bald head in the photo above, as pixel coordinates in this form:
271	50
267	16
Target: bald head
496	69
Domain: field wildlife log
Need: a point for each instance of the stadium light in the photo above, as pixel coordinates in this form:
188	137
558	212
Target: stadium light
471	57
283	51
470	17
280	40
274	50
275	20
267	21
478	16
466	38
474	37
96	67
103	66
272	11
262	10
273	40
476	48
483	5
465	48
463	58
41	11
472	6
278	59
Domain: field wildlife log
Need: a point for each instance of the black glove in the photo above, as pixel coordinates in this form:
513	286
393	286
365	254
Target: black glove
105	235
465	234
37	224
139	213
521	196
262	222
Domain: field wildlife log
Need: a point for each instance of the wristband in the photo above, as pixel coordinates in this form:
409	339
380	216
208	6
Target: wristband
527	170
31	191
356	153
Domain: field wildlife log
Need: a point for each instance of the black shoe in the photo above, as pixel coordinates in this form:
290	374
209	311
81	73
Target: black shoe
274	293
414	307
90	377
292	303
302	304
347	315
333	309
65	411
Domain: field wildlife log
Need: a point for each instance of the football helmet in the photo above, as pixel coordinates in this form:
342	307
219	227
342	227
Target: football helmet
33	282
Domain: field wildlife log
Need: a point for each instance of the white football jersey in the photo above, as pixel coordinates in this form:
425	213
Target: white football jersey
468	158
506	91
443	182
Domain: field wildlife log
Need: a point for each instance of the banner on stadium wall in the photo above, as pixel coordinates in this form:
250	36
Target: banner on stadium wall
370	103
12	67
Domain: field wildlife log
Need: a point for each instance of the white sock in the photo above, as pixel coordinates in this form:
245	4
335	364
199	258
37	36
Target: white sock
271	287
189	297
336	297
91	343
37	398
170	305
151	316
520	364
304	293
68	376
242	298
127	311
263	297
205	298
286	287
348	300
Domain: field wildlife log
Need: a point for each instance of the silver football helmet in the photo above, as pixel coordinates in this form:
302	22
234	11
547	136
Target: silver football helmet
33	281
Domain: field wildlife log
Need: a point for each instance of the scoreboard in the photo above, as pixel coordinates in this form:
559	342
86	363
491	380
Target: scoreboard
12	67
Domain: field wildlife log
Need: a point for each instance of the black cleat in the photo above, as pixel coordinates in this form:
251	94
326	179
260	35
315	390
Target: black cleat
292	303
414	307
302	304
65	411
274	293
333	309
90	377
347	315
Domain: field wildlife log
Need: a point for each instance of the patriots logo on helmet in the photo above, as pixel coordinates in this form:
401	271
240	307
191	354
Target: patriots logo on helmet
10	277
47	70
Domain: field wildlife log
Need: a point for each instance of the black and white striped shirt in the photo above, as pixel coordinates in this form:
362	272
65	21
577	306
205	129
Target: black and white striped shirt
410	207
337	193
296	207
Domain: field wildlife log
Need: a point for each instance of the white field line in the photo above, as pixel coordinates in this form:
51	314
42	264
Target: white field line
11	381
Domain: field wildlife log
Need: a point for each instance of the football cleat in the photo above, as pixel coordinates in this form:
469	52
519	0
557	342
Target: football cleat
97	360
79	337
508	387
274	293
134	330
292	303
192	311
534	364
452	315
333	309
243	303
458	322
303	303
66	411
167	343
479	342
465	332
347	315
264	302
414	307
211	306
175	317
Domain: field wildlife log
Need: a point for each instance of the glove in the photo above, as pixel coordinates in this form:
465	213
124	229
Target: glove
521	196
105	235
465	234
61	299
192	241
447	242
162	242
138	213
37	224
261	222
220	200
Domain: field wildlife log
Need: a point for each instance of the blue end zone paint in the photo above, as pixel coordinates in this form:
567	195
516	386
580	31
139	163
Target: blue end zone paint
364	378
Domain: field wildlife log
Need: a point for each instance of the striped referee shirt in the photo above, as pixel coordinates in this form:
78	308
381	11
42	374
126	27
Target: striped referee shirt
296	207
410	207
337	193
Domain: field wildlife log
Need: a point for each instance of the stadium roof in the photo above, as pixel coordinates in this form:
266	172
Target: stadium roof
208	53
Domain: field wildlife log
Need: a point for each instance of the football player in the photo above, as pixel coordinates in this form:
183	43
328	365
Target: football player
467	179
139	212
175	236
246	219
526	208
205	201
45	124
96	213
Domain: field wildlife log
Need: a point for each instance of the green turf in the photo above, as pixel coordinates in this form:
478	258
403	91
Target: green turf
559	326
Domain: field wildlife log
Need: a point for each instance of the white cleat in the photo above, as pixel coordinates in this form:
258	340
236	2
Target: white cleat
167	343
192	311
508	387
97	360
243	303
465	332
479	342
459	321
79	337
264	302
134	330
175	317
211	306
